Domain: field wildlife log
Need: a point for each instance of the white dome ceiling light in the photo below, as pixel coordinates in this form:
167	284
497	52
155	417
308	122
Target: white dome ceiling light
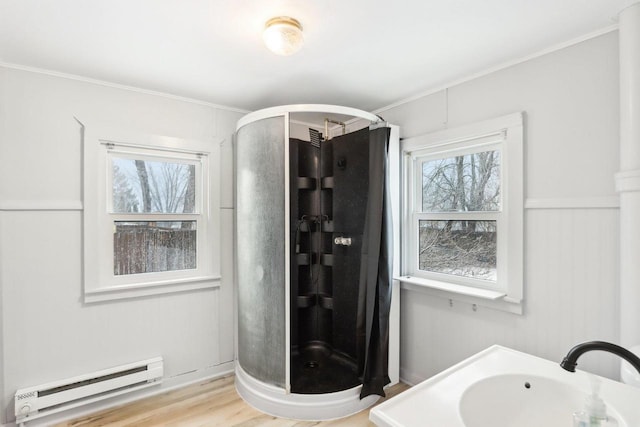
283	35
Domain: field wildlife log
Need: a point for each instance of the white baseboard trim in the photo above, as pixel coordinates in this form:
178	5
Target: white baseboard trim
410	378
168	384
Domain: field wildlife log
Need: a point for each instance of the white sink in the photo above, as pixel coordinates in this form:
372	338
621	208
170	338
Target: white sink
500	387
522	400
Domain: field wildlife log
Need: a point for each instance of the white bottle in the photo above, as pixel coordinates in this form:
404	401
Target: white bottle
595	410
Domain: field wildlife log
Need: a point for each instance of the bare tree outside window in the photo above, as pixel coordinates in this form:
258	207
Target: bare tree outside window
462	184
145	186
467	183
124	198
159	187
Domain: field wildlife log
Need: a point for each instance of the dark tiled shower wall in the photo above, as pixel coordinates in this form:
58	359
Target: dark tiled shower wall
328	199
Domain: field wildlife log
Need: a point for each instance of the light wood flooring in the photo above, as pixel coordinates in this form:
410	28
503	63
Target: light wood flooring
210	403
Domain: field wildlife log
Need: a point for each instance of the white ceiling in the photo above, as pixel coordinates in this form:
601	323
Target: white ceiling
360	53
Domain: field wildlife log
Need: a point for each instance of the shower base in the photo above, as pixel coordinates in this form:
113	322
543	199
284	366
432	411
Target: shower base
278	402
317	369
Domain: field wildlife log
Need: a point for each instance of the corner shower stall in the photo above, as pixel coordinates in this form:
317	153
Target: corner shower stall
315	210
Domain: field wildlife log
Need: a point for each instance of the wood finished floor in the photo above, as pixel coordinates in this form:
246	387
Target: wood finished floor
210	403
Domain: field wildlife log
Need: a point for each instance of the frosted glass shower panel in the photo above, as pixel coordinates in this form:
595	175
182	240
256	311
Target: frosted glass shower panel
260	148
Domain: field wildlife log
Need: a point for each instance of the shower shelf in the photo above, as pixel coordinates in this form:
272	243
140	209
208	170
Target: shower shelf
303	259
306	183
309	300
326	259
327	226
306	226
305	301
327	183
325	301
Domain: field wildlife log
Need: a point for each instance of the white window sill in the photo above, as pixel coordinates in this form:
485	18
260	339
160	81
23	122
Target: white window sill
452	287
476	296
147	289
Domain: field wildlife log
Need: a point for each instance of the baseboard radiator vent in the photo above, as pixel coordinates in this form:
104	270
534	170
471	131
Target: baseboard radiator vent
46	399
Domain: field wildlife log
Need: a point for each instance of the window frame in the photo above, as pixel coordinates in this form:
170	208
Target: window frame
100	147
503	134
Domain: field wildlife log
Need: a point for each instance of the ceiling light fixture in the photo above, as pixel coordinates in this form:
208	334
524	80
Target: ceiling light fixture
283	35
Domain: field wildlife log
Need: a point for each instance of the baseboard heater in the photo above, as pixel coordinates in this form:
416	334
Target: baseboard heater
46	399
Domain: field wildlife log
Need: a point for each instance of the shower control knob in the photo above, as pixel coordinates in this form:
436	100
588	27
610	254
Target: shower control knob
343	241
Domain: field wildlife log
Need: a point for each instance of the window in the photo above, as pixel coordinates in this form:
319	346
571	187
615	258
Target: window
150	216
463	228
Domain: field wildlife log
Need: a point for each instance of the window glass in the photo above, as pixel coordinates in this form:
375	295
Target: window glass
153	186
462	184
460	248
148	247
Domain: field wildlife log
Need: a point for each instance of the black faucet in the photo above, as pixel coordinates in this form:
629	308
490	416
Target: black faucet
570	361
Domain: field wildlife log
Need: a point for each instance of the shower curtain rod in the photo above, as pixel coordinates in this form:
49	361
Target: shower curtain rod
326	127
380	124
374	125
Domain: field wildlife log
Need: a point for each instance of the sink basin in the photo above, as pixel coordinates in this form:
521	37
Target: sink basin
522	400
501	387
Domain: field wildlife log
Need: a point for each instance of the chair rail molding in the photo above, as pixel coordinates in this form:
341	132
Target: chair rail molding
41	205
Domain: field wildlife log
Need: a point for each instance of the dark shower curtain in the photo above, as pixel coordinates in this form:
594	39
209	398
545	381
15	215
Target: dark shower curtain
374	299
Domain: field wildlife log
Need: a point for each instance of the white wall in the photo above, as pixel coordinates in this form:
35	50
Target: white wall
570	98
47	332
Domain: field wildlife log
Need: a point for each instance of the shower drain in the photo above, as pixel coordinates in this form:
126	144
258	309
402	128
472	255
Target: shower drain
311	364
